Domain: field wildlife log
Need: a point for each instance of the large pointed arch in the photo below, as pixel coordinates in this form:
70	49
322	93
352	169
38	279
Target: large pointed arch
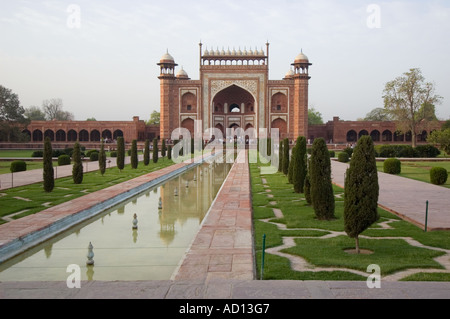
234	95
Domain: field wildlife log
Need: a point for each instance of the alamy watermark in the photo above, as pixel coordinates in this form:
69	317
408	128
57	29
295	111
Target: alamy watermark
374	280
74	17
74	279
374	19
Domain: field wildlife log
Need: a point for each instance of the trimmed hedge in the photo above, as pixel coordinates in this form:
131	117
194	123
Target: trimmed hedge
406	151
427	151
343	157
37	154
18	166
93	157
63	160
392	166
88	153
438	175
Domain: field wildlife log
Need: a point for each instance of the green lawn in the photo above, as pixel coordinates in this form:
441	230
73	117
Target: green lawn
420	170
15	153
65	190
390	251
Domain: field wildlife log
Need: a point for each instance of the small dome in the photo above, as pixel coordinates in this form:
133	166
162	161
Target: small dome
301	58
167	57
289	74
206	52
182	73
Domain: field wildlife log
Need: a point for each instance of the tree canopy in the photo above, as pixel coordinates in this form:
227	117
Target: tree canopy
53	110
11	115
154	118
378	114
405	97
314	117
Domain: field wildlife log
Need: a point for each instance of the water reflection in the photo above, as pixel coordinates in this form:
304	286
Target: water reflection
166	225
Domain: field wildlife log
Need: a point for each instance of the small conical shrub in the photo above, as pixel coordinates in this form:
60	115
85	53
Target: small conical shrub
322	195
361	190
49	179
77	169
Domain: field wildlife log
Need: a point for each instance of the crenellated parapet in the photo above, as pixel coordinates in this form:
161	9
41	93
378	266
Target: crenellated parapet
234	57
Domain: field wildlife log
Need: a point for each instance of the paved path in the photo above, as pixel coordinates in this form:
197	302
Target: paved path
223	247
407	198
252	290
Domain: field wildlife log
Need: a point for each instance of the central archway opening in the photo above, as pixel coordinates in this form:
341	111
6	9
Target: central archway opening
233	107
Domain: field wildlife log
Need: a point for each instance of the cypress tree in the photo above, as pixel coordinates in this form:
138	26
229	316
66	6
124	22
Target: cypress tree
163	148
361	190
300	166
102	159
147	152
120	153
280	157
286	156
77	169
169	152
307	189
291	165
155	150
134	155
320	178
49	178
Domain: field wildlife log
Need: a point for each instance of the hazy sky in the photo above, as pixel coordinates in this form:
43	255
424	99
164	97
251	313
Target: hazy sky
101	60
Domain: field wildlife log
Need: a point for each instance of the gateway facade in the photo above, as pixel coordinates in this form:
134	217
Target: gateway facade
234	91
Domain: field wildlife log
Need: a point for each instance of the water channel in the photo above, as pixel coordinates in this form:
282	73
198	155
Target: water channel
150	252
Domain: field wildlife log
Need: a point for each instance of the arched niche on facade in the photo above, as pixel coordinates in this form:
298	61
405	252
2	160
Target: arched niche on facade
189	125
352	136
72	136
375	135
279	103
60	136
281	125
38	136
188	103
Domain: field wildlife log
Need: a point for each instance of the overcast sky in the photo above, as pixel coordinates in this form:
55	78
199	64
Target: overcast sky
101	61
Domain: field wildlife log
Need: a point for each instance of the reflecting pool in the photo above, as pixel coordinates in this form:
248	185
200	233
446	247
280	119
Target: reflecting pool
168	218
